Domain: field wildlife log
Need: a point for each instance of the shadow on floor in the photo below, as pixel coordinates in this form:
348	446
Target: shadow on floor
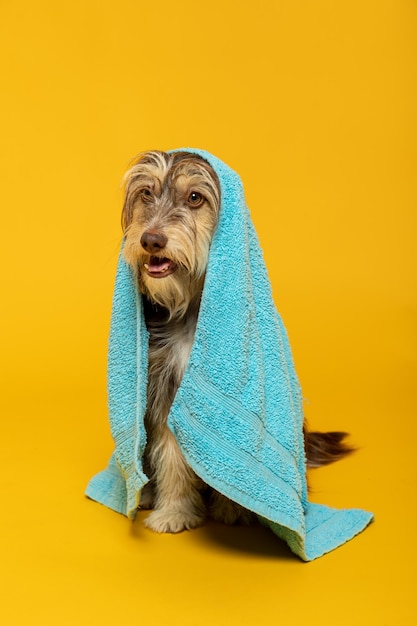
255	540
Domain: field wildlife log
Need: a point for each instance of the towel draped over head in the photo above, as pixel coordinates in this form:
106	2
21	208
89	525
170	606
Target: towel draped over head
237	415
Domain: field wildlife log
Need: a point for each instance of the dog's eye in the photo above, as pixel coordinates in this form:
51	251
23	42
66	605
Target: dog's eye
195	199
145	195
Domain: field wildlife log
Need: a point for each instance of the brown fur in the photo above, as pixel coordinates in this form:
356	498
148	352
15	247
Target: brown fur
324	448
169	217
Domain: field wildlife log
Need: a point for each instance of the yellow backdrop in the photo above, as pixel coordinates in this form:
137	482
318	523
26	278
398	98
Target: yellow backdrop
314	104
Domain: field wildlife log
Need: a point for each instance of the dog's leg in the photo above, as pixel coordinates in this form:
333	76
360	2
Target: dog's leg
147	497
179	505
221	509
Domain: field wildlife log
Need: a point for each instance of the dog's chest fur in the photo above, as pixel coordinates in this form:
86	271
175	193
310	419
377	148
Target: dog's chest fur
170	343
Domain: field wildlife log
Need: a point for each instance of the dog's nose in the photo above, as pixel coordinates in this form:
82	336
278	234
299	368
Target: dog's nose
153	241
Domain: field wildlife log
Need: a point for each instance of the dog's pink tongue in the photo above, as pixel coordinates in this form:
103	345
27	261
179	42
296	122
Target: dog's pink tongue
157	264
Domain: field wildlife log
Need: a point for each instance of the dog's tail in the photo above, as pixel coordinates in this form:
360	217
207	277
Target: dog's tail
324	448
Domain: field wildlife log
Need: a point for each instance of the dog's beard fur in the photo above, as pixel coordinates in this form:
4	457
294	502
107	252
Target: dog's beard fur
169	217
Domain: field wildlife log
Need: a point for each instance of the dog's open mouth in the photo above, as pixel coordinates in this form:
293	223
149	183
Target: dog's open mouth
159	267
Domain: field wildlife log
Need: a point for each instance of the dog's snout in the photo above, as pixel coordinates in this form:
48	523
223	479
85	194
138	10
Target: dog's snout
153	241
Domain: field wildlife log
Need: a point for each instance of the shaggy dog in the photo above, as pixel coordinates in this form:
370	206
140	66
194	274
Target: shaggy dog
169	216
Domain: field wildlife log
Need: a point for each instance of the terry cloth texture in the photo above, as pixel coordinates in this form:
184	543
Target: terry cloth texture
237	415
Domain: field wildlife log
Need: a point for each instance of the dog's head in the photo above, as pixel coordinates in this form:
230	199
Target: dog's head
169	217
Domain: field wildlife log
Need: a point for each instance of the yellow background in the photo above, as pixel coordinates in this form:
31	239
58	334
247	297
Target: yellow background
314	104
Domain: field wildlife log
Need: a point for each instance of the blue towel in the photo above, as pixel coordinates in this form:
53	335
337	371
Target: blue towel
237	415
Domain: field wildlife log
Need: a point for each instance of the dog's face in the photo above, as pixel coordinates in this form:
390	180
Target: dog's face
169	217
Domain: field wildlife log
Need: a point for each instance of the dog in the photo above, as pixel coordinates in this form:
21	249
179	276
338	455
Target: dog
171	208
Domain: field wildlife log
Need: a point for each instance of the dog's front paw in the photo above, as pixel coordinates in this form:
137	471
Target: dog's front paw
166	521
224	510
